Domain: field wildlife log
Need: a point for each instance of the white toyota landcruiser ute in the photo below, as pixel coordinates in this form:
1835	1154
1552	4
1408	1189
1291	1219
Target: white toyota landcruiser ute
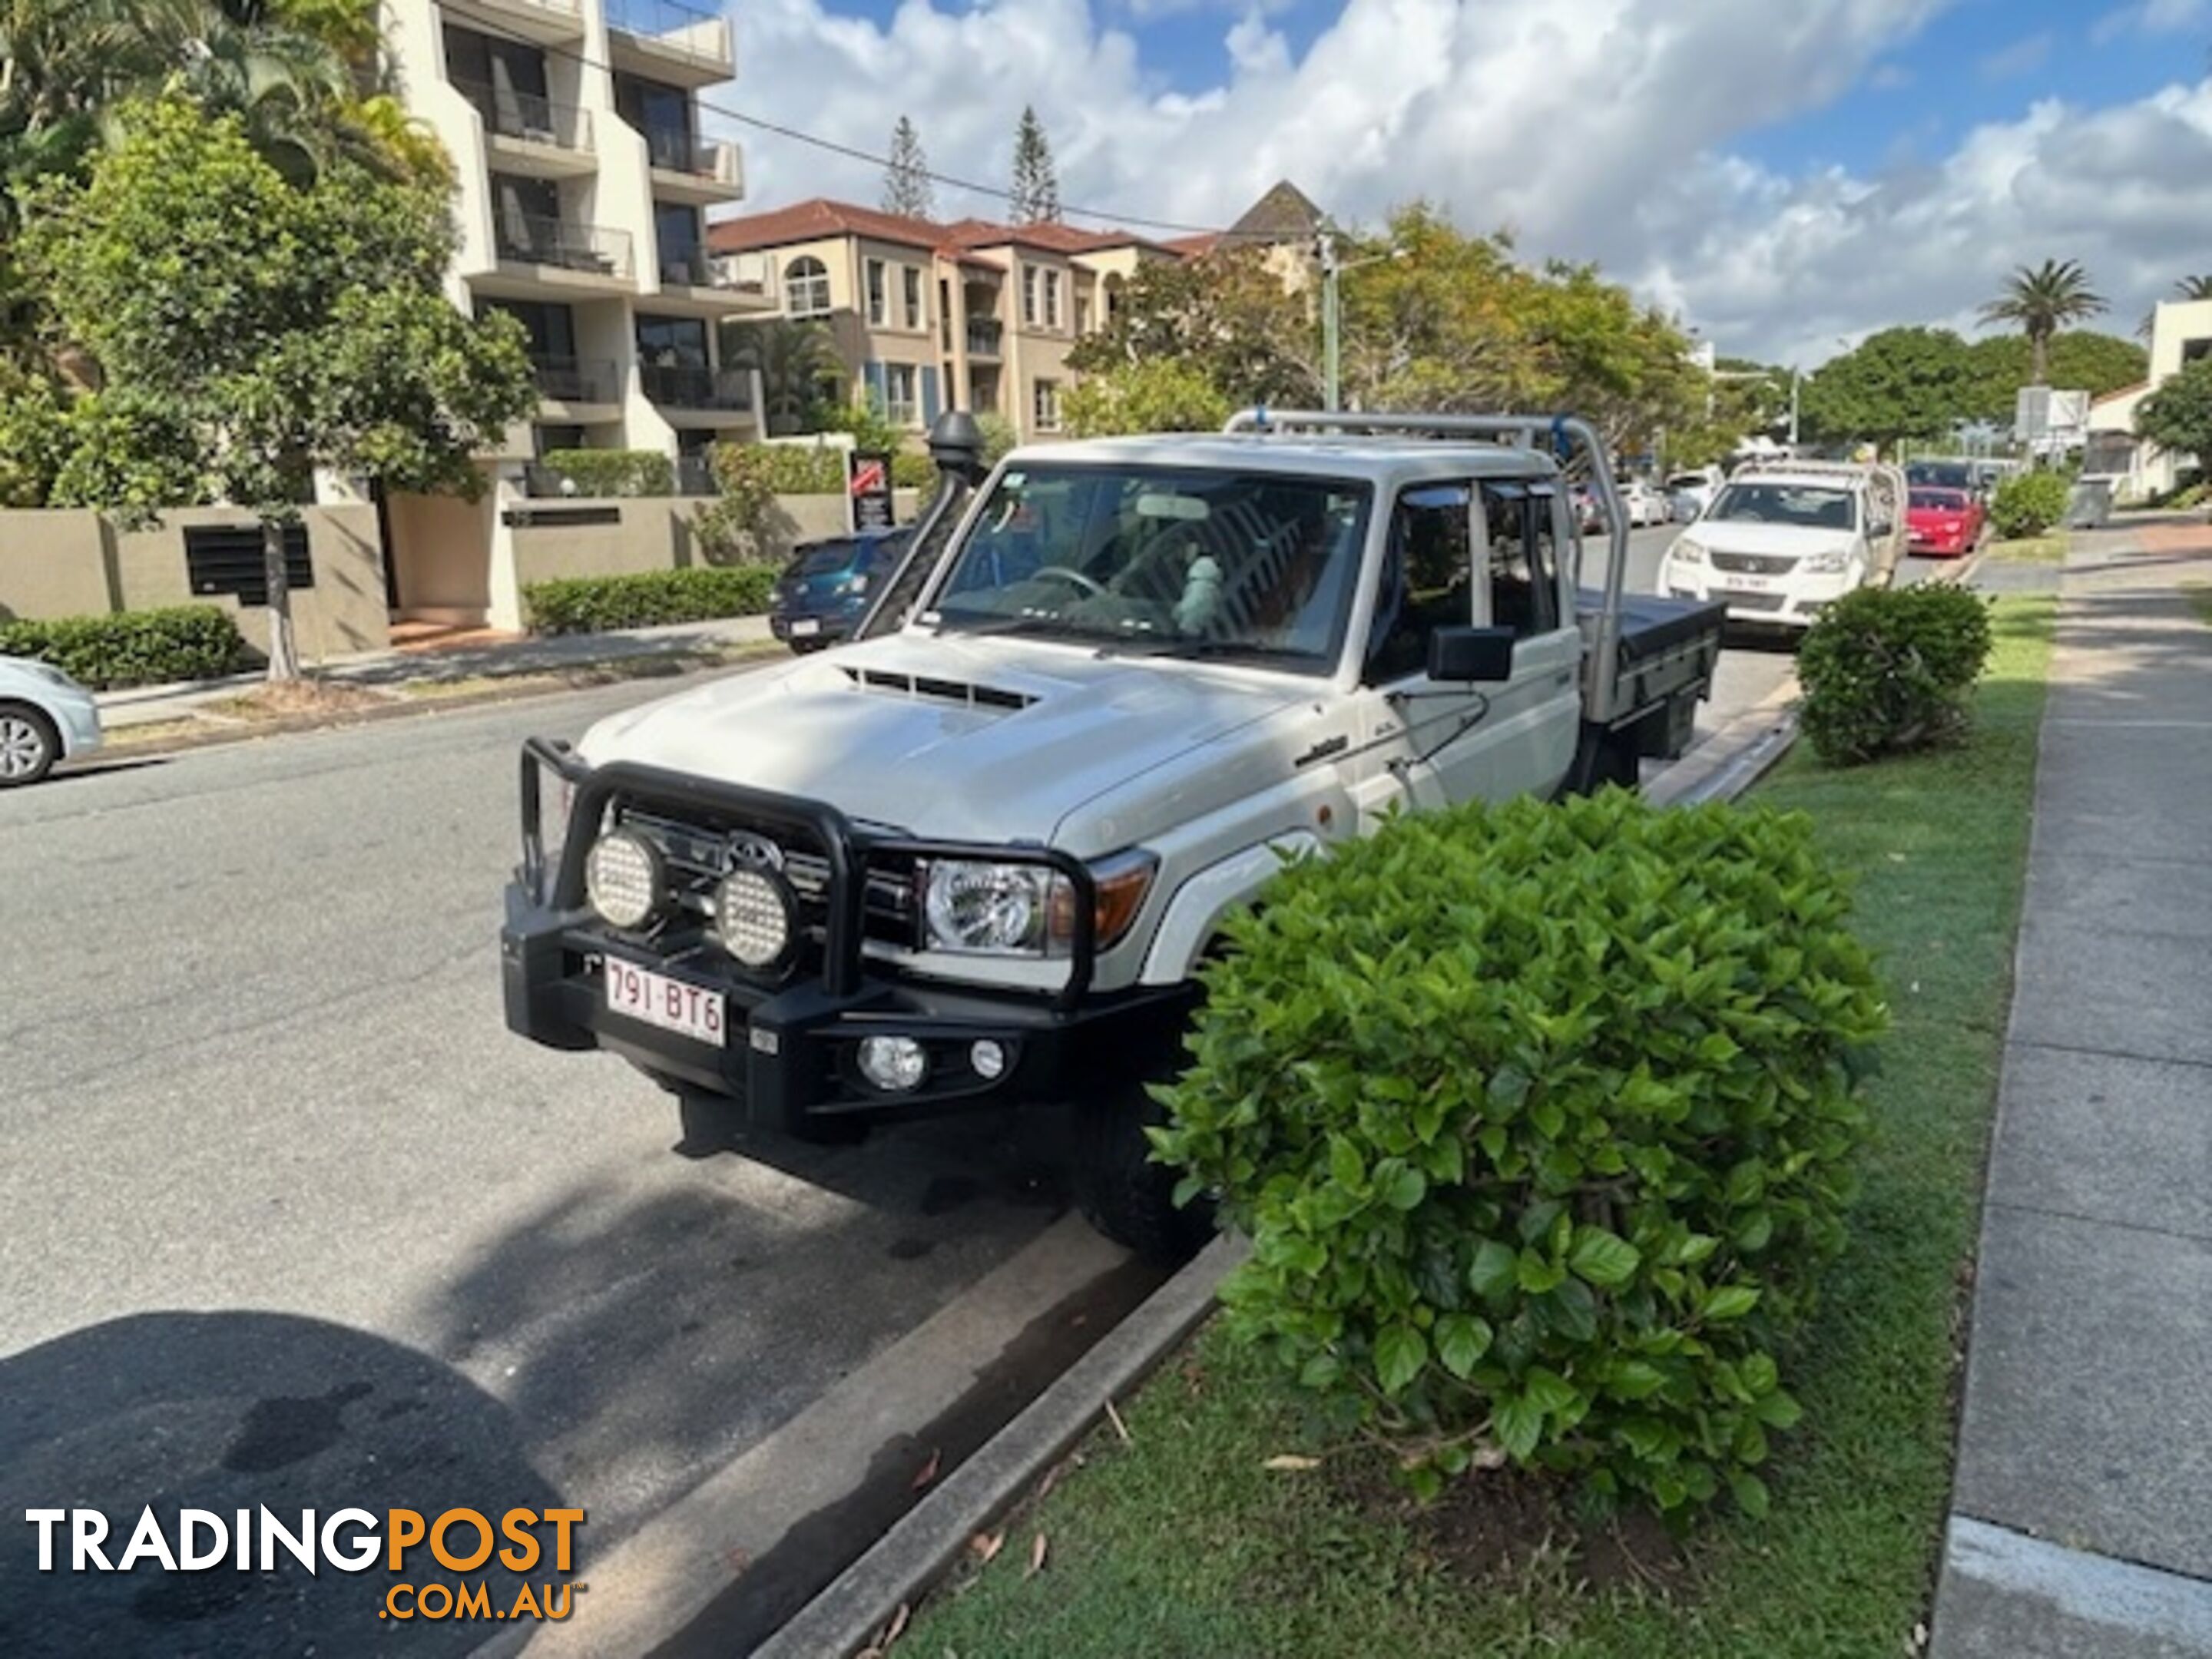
1784	539
973	857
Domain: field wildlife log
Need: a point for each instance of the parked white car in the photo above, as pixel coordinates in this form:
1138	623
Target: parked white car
1642	504
44	717
1696	487
1780	543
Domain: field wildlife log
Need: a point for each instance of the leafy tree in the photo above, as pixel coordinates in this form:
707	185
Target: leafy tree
1163	394
906	188
2041	301
1227	316
1035	188
796	361
2000	366
2177	417
252	329
1902	383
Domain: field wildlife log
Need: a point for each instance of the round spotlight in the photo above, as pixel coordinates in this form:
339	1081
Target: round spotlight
988	1059
622	879
893	1064
752	914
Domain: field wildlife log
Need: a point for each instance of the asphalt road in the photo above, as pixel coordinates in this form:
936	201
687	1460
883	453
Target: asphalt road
291	1220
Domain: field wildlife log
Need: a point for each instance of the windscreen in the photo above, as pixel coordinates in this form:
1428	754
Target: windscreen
1181	561
1809	506
826	559
1940	500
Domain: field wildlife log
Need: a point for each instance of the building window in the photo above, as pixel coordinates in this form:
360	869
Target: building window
879	304
1045	405
910	279
676	239
1029	273
1052	298
902	403
806	287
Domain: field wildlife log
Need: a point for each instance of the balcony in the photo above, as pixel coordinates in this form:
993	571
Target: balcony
687	168
674	42
531	136
577	379
986	337
546	21
564	253
683	386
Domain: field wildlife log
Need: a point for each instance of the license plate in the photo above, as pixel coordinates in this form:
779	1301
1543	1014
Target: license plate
805	626
1748	585
688	1009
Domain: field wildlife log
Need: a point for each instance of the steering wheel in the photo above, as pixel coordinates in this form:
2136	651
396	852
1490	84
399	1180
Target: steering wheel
1075	578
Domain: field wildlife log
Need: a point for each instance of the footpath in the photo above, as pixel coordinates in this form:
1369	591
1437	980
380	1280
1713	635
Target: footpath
488	665
2081	1511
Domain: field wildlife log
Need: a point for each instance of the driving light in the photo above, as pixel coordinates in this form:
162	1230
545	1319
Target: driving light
623	880
752	916
893	1064
1687	551
992	909
987	1059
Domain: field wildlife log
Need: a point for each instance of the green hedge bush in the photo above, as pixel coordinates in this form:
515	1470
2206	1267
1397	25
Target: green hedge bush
1885	670
592	604
1541	1118
133	647
2027	504
614	471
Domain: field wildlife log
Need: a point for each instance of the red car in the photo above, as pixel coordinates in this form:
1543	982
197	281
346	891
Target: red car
1944	523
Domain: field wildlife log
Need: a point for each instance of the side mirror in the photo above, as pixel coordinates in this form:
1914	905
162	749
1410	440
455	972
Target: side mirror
1470	655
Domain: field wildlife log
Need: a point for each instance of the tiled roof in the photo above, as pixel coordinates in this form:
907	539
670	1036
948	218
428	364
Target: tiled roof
815	220
1285	213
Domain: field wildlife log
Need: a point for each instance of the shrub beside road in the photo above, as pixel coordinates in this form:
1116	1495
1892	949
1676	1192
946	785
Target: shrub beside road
1232	1519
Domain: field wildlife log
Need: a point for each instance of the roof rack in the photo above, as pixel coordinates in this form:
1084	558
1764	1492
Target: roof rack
1561	435
1818	469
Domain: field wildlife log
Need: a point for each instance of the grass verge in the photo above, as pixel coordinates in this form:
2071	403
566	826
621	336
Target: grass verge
2049	548
1182	1542
2199	596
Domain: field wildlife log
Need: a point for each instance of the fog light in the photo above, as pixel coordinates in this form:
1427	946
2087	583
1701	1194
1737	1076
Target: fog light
893	1064
988	1059
623	880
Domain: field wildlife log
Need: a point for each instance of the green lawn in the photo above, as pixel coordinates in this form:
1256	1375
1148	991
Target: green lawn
1182	1543
2048	548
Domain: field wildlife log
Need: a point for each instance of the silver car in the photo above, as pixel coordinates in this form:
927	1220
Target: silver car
44	717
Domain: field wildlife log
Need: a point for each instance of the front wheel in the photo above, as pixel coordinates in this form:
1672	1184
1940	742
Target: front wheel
29	745
1120	1191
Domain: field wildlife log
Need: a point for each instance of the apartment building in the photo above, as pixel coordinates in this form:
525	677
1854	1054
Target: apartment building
2181	333
584	181
925	315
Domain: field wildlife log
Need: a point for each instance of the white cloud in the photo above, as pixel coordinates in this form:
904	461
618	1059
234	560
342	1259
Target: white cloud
2022	56
2151	17
1889	77
1597	129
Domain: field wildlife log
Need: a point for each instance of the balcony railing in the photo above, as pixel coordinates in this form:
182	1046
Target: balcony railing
576	379
691	268
986	337
677	151
673	26
532	238
526	116
683	386
558	8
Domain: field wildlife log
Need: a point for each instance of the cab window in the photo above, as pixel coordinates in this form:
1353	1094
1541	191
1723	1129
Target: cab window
1428	578
1524	569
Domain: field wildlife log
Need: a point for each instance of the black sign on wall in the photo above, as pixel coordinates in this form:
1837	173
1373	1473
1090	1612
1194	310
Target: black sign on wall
227	559
868	503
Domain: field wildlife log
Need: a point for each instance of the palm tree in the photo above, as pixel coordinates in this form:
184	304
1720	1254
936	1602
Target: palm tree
795	360
2042	302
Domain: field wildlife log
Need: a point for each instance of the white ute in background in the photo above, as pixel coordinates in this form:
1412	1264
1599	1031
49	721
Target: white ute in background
1784	539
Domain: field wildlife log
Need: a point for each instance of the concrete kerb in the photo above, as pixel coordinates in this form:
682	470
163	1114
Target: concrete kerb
861	1602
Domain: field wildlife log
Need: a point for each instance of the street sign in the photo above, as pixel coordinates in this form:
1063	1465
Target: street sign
868	503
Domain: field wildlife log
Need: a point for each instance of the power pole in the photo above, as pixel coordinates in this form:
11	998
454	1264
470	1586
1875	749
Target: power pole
1326	250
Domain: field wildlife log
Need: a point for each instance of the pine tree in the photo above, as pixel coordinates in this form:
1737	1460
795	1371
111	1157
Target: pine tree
1036	184
906	178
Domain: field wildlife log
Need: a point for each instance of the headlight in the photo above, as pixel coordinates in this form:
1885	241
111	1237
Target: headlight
1824	564
1686	552
1024	910
857	584
622	879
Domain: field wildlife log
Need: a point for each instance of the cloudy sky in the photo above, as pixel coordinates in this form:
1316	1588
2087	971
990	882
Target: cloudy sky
1783	173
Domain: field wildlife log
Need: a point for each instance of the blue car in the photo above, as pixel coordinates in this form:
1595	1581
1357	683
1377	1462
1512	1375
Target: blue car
827	586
